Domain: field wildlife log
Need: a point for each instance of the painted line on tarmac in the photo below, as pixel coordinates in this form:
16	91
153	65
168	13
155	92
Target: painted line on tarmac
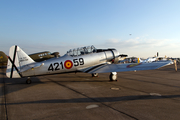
92	106
155	94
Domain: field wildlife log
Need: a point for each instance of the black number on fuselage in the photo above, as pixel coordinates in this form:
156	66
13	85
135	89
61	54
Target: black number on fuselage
56	66
76	63
62	65
50	68
81	60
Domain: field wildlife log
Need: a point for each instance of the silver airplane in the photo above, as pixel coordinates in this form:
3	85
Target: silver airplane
85	59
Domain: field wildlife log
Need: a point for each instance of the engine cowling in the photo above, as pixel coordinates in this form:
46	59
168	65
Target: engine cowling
112	55
116	56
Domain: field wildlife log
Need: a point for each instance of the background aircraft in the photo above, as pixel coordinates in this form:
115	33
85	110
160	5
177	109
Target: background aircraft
85	59
149	59
3	59
129	60
41	56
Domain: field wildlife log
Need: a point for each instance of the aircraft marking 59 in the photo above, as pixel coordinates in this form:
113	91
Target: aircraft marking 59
85	59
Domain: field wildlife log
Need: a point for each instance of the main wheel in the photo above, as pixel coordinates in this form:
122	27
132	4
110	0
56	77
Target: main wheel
113	76
28	81
94	74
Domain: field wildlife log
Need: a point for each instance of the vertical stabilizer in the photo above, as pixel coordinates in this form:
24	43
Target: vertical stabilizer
17	59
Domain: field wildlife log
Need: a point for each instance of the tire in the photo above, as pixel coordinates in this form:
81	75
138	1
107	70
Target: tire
113	77
28	81
94	74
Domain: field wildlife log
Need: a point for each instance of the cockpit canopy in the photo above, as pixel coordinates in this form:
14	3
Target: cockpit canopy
82	51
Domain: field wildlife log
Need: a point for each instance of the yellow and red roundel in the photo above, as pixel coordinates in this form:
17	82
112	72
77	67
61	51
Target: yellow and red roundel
68	64
133	65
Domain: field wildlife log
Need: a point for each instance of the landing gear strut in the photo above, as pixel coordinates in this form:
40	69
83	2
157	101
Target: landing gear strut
28	81
113	76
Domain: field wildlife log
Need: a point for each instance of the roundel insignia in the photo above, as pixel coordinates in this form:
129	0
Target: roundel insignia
68	64
133	65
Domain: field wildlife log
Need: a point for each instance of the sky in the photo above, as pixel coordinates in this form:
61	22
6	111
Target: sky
139	28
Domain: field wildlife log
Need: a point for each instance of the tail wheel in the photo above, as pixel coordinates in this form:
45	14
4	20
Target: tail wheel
28	81
113	76
94	74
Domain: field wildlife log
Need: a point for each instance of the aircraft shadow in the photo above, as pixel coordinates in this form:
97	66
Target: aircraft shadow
69	81
98	99
19	83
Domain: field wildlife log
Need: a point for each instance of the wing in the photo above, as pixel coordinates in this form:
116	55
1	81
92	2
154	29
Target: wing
104	68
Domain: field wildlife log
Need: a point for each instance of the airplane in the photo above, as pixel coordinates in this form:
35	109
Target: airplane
85	59
3	59
148	60
41	56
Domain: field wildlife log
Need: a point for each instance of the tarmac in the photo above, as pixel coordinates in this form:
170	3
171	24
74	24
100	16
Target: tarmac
140	95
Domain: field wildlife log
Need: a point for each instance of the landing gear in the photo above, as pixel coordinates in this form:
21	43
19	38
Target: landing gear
113	76
94	74
28	81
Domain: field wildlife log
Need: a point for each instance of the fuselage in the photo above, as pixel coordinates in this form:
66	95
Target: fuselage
71	63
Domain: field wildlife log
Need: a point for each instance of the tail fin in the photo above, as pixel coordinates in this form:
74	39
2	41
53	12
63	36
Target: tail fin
139	60
17	58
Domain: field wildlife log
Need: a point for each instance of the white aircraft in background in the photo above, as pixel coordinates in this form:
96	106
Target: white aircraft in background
148	60
84	59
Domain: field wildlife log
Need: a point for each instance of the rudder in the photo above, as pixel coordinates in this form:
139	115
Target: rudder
17	58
